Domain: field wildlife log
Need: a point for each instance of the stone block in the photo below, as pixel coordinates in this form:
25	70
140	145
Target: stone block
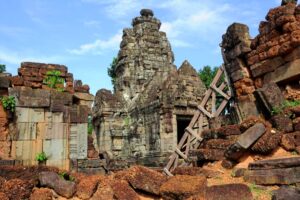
181	187
50	131
79	114
17	81
284	193
27	150
63	164
283	176
78	141
275	163
283	123
26	131
234	152
290	141
266	66
29	115
4	82
247	107
294	55
284	73
54	117
207	154
55	149
251	135
28	97
5	149
84	96
270	96
63	98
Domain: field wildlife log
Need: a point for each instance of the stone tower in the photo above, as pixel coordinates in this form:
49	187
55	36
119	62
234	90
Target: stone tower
145	52
153	101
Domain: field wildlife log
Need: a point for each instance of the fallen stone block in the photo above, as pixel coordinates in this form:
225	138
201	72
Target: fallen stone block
234	152
195	171
104	190
284	193
267	143
123	191
283	176
251	135
17	189
3	196
290	141
41	194
181	187
218	144
238	172
275	163
270	96
207	154
58	184
283	123
144	179
87	187
225	192
228	164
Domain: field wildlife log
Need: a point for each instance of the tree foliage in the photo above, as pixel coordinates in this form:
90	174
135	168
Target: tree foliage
207	74
2	68
112	71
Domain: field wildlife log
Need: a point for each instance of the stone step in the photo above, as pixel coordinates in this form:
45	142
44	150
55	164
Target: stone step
275	163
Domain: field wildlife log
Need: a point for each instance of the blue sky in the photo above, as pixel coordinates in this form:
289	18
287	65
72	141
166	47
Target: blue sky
85	34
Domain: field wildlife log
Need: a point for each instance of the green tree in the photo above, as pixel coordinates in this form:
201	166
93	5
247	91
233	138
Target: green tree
112	71
207	74
2	68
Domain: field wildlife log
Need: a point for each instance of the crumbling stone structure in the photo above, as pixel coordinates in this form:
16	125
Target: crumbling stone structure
153	101
45	120
273	56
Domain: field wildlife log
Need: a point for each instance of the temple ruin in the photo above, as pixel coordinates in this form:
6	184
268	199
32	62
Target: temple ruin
153	102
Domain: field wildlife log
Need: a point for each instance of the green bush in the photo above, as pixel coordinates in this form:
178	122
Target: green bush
8	103
53	78
2	68
284	105
40	157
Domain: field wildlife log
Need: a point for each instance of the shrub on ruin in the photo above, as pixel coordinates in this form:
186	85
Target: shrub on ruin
2	68
41	157
53	79
8	103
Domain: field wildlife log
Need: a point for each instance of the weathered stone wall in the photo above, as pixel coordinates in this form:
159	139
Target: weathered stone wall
46	120
273	56
139	120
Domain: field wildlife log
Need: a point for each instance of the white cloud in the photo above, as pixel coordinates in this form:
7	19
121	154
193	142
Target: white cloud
98	46
10	57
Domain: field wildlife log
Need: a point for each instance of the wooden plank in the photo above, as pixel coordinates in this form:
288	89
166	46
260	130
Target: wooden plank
221	107
167	172
213	102
193	134
220	92
205	112
200	124
181	154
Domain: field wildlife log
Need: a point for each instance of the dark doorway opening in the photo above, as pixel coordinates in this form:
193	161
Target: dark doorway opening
182	123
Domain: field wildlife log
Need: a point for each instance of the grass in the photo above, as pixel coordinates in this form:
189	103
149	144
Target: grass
259	191
284	105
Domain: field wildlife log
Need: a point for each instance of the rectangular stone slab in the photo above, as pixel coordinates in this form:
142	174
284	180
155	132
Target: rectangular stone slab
275	163
27	97
251	135
284	176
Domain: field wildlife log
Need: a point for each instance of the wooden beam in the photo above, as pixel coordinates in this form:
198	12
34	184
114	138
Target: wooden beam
193	134
205	112
181	154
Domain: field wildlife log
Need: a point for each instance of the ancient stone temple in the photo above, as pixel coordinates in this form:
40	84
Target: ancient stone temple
153	101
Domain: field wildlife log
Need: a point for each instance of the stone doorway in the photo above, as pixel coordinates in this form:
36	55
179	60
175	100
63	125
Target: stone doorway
182	123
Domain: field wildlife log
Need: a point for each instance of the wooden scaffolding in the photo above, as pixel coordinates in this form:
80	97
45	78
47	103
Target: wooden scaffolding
209	108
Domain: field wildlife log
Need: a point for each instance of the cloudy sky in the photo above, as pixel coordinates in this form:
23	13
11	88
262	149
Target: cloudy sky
85	34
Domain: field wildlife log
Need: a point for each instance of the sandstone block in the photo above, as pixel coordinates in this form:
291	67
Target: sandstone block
283	176
283	123
5	82
207	154
41	194
59	185
181	187
286	193
17	189
290	141
195	171
122	190
251	135
144	179
87	187
266	66
275	163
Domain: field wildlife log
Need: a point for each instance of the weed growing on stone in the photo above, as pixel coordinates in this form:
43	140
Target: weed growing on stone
8	103
53	79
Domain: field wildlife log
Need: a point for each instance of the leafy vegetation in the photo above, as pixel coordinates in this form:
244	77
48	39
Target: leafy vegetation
53	79
284	105
112	71
66	176
207	74
9	103
40	157
90	126
2	68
